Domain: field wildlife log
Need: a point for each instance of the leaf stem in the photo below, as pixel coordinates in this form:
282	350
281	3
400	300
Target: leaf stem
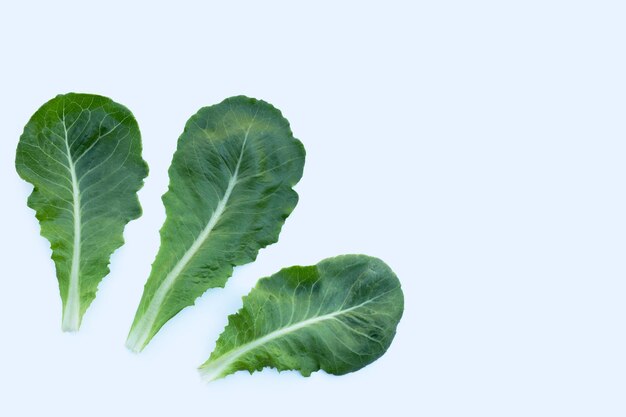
71	312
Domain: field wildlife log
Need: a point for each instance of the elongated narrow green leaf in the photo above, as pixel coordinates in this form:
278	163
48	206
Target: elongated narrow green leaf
82	153
230	192
339	315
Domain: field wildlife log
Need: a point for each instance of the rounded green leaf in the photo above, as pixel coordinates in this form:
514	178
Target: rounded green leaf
230	192
339	315
82	153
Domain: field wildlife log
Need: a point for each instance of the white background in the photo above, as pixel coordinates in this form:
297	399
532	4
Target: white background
477	147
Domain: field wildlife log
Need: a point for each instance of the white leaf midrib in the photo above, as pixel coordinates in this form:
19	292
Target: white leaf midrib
212	370
140	334
71	312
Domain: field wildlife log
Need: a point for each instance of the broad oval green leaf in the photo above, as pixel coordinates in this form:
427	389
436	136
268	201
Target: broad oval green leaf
230	192
82	154
339	315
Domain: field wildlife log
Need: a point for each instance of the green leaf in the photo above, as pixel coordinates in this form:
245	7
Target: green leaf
339	315
82	154
230	192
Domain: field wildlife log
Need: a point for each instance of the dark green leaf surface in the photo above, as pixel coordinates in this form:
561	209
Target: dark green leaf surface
339	315
230	192
82	153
